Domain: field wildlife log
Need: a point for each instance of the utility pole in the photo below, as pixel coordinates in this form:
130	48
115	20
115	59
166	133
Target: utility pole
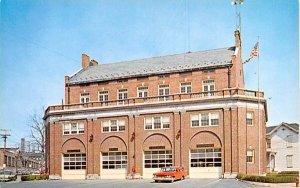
4	134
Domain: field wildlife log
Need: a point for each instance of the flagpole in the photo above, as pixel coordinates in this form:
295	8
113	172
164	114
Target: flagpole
259	126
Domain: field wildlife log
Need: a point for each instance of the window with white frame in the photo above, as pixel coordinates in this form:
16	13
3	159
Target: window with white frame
163	92
205	119
113	125
103	96
73	128
84	98
208	86
250	156
75	161
142	92
186	87
289	141
249	118
122	95
289	161
162	122
195	120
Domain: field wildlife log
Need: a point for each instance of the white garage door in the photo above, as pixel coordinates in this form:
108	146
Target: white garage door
205	163
113	165
74	166
154	160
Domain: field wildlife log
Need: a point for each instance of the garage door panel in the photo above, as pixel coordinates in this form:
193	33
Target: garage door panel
73	174
113	165
113	173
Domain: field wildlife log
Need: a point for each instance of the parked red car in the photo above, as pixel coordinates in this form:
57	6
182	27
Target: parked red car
171	174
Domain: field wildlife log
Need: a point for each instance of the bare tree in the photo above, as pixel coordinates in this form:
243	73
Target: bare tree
37	131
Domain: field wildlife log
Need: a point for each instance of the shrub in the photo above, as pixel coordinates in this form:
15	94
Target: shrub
272	178
289	172
34	177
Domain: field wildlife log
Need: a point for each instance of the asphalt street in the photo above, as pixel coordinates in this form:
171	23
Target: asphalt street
144	183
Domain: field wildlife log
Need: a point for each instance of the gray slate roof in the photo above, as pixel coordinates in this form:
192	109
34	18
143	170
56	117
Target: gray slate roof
155	65
292	125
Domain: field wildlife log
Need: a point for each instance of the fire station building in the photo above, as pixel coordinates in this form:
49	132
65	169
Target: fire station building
189	110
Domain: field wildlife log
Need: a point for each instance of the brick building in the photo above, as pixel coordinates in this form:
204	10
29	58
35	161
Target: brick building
186	109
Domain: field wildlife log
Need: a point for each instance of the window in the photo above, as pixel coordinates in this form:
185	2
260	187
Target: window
103	96
250	156
204	120
75	161
268	143
186	87
142	92
195	120
214	119
208	119
114	160
289	141
122	95
163	91
206	157
157	123
73	128
158	158
249	119
113	125
208	87
289	161
84	98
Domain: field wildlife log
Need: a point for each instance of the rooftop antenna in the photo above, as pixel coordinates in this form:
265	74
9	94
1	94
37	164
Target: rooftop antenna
237	4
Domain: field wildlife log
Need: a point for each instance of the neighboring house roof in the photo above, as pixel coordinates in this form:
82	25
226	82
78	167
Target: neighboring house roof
155	65
292	126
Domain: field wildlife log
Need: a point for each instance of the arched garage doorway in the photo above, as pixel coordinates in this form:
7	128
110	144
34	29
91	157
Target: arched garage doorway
73	159
205	160
157	153
113	158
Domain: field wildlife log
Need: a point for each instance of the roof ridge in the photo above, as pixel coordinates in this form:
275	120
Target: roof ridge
155	57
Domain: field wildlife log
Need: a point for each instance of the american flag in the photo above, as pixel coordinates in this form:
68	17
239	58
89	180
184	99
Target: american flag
253	53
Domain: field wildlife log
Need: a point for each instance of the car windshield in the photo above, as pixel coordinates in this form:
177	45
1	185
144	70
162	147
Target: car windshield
6	172
168	169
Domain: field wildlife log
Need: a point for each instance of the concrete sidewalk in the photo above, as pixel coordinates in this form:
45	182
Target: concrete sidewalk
276	185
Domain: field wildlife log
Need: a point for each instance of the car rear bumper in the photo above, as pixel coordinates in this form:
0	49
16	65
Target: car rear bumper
163	178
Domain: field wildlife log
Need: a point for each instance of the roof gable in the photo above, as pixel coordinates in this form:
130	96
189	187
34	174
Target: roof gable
293	126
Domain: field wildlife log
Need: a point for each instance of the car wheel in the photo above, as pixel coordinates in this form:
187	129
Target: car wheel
156	181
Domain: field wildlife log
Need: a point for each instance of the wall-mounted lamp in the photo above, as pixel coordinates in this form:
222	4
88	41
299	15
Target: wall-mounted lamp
91	138
132	136
178	134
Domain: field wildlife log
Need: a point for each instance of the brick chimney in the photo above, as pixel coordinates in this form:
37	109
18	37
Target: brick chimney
93	62
85	61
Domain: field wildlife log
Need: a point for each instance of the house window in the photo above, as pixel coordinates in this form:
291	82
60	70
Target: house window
208	86
249	119
195	120
157	123
289	161
186	87
113	126
289	141
214	119
250	156
103	96
163	92
73	128
84	98
204	120
208	119
142	92
268	143
74	161
122	95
